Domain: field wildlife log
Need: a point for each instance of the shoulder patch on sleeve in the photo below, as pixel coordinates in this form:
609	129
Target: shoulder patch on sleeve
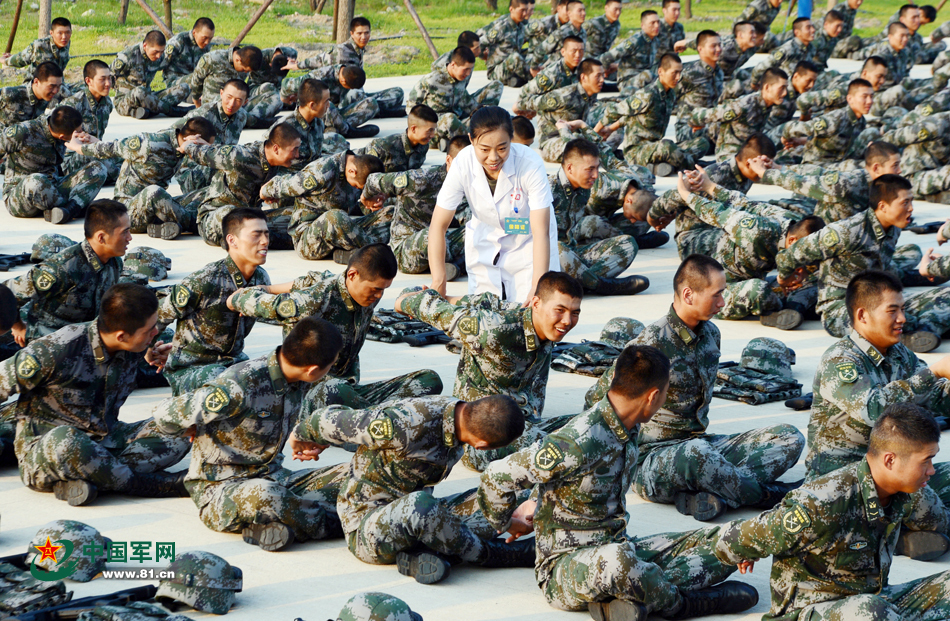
923	134
309	182
836	94
926	110
795	520
468	326
492	34
831	178
747	222
372	151
543	80
135	142
287	308
847	372
730	115
381	428
217	400
830	238
779	54
226	149
44	280
182	296
10	131
401	180
548	456
821	124
27	367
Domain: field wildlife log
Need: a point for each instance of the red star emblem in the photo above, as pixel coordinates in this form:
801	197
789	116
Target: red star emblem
48	551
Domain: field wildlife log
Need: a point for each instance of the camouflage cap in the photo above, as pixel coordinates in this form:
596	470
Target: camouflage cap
768	356
84	538
377	607
49	244
621	330
202	580
148	261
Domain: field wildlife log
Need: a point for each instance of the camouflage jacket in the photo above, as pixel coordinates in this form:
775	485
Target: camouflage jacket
724	174
243	416
38	52
323	182
814	103
415	192
397	153
68	378
554	76
405	446
847	26
443	93
239	172
582	471
853	384
925	143
781	113
732	57
65	289
699	87
133	69
646	115
843	248
829	539
609	190
147	159
316	294
348	53
551	46
898	63
501	351
738	118
821	49
311	143
329	75
831	137
213	70
601	34
443	61
95	114
228	128
633	55
839	194
694	356
501	38
19	104
537	30
568	103
30	148
785	57
267	74
207	331
181	57
570	205
759	11
667	37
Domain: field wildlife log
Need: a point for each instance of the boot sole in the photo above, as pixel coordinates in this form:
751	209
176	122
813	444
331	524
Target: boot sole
425	567
58	216
270	537
139	113
663	169
921	342
165	230
616	610
922	545
75	493
451	272
703	506
342	257
786	319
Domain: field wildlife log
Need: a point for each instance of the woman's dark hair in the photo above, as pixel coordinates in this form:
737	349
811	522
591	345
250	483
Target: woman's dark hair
488	119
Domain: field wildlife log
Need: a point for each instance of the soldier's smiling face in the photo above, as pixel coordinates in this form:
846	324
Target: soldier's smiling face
804	81
805	32
232	98
711	50
898	36
671	13
460	72
875	74
581	170
554	316
101	84
882	325
47	89
833	29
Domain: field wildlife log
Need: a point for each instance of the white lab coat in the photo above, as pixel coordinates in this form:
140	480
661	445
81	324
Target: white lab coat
496	261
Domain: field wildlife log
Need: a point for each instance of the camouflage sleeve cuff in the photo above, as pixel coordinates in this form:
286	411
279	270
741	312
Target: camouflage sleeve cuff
923	382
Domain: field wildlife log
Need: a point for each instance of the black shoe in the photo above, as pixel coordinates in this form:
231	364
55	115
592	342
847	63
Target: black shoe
7	454
653	239
399	113
76	493
775	493
342	257
158	485
921	545
920	341
364	131
610	87
61	215
334	528
264	123
497	553
800	403
925	229
617	610
177	111
426	566
723	599
622	286
164	230
270	537
516	82
785	319
703	506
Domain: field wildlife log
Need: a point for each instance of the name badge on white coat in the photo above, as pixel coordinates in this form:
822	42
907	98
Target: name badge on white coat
519	225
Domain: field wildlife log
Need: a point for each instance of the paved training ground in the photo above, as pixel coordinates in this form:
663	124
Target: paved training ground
314	579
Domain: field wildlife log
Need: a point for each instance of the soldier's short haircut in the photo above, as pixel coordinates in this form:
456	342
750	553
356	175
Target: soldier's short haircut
356	22
468	39
374	262
283	135
65	120
903	429
103	215
874	61
200	126
755	145
421	113
155	38
799	22
867	288
704	36
740	25
928	12
640	206
277	63
668	60
559	282
646	14
240	85
773	75
514	4
311	90
9	313
857	83
905	8
523	128
886	188
570	2
833	16
354	76
47	70
806	66
126	307
696	272
203	22
91	68
496	419
489	118
760	28
234	221
611	1
251	56
640	369
571	39
60	22
563	2
462	56
587	66
879	151
366	165
666	3
893	28
457	144
579	147
312	342
806	226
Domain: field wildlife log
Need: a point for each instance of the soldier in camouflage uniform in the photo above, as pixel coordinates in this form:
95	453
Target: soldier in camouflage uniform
313	100
466	39
555	75
273	68
134	69
802	81
895	52
737	48
209	337
789	54
444	91
537	30
602	30
54	49
347	301
762	12
406	446
925	159
621	201
92	101
833	540
831	90
544	52
31	100
349	107
828	35
72	384
672	35
215	69
501	42
582	473
700	84
833	138
635	59
407	150
185	49
506	349
680	463
240	422
33	181
848	10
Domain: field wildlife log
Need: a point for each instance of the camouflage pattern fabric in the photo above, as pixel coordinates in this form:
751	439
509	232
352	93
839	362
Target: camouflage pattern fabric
148	262
181	58
590	358
311	144
537	30
267	74
451	100
191	176
601	34
636	60
134	73
898	63
204	581
48	245
840	195
388	326
376	607
667	36
923	142
397	152
759	12
38	52
545	51
95	119
19	104
213	71
20	592
785	57
699	87
554	76
831	137
502	40
732	57
133	611
348	108
738	119
81	535
753	387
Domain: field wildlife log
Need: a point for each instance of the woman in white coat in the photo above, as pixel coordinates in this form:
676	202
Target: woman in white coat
511	239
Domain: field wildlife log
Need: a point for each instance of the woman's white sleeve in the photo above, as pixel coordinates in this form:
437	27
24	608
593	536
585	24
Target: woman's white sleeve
453	188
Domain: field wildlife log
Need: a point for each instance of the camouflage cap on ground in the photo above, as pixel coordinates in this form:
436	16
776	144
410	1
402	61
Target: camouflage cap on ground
621	330
202	580
148	261
768	356
48	244
377	607
89	548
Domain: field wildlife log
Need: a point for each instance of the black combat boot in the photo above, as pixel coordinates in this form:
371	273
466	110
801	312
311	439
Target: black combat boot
68	211
785	319
775	492
423	564
177	111
164	230
364	131
270	537
617	610
703	506
622	286
342	257
76	493
158	485
497	553
652	239
728	598
398	113
801	403
7	454
921	545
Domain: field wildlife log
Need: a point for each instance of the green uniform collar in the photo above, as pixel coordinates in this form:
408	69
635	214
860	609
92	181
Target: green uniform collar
91	256
734	169
277	379
864	345
872	504
531	340
235	273
348	300
263	155
852	117
302	121
95	341
681	329
876	226
448	426
607	412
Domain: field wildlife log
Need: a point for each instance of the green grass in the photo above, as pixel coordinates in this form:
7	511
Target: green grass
100	32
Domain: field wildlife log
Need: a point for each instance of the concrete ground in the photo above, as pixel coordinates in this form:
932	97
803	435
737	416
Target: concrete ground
313	580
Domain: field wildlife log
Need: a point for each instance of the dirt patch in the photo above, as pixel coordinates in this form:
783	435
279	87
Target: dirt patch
390	54
308	21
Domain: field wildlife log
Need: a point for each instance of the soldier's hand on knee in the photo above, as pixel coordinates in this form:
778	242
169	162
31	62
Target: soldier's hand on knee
745	567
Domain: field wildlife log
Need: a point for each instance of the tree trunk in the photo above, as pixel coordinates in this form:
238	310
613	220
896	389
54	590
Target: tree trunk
492	5
123	11
251	22
686	9
16	22
168	15
422	29
46	16
155	18
343	15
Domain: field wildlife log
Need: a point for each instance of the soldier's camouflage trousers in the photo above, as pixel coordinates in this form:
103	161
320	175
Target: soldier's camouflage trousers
334	143
335	391
513	71
928	311
63	453
925	599
342	119
154	101
304	500
191	176
648	570
30	195
189	379
681	156
731	466
154	204
450	125
684	132
335	229
209	226
73	163
590	263
753	297
478	459
389	100
932	185
261	105
412	251
8	422
698	240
